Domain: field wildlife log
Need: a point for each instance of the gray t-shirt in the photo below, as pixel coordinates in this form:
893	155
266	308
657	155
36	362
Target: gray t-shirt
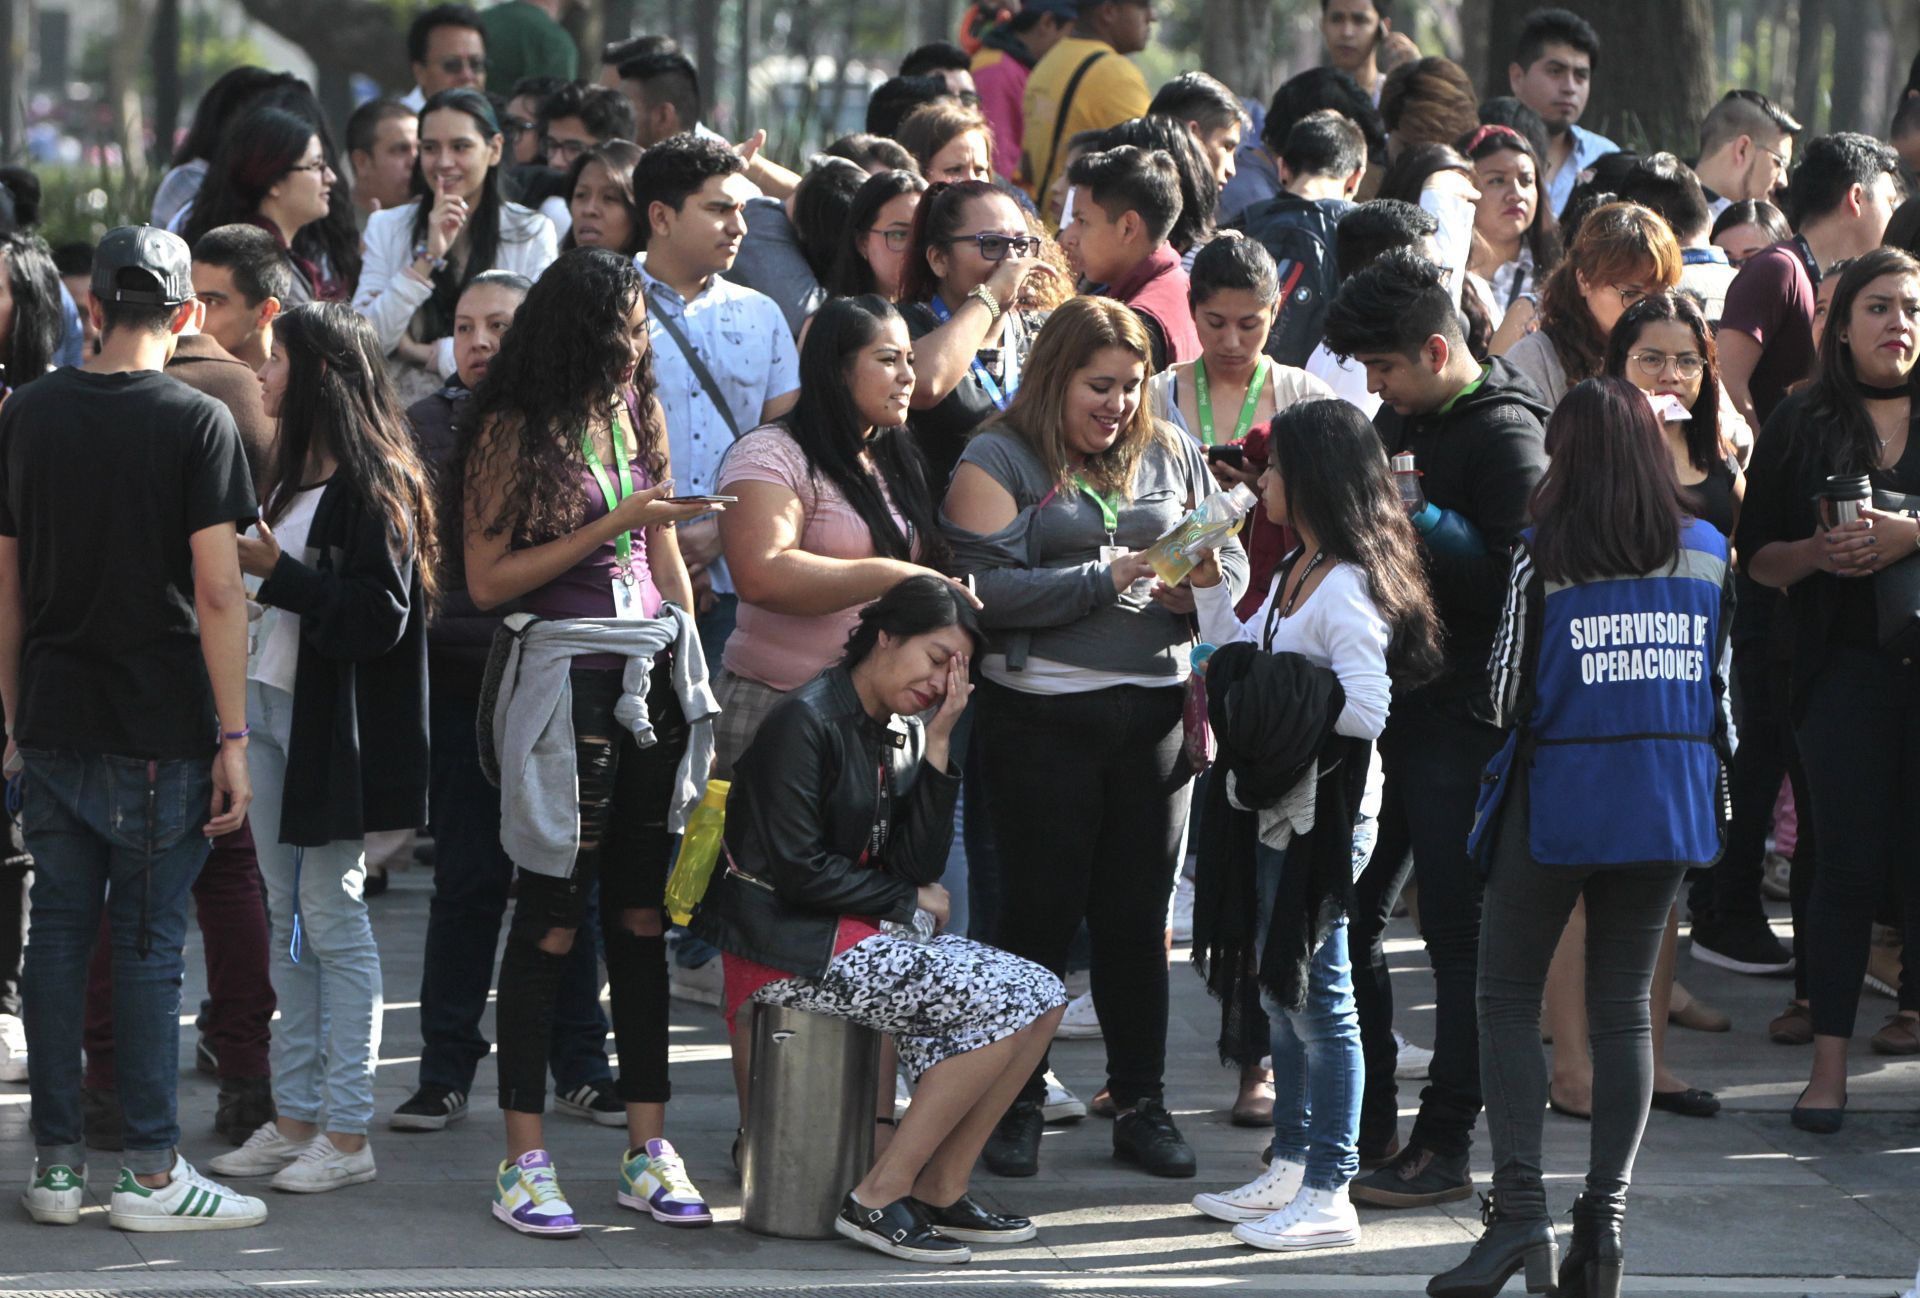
770	261
1045	589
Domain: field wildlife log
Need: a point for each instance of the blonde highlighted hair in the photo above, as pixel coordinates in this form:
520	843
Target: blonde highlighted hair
1074	334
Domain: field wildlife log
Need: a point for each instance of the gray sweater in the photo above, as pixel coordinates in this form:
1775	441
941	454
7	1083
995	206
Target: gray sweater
1046	591
533	725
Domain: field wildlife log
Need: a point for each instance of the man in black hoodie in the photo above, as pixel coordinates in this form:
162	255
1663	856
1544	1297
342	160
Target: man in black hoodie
1476	436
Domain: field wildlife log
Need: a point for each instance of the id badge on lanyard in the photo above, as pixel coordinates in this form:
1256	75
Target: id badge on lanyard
627	605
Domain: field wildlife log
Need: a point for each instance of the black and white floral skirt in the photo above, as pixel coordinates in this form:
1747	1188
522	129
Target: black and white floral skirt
936	999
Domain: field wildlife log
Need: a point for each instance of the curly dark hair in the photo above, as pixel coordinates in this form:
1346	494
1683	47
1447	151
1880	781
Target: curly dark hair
559	366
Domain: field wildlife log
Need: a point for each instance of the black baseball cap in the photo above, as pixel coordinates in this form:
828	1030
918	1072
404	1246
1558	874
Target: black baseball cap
163	258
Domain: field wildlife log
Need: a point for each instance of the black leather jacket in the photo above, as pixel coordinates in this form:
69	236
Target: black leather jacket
799	817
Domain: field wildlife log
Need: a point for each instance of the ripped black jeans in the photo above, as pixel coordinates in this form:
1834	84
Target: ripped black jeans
624	843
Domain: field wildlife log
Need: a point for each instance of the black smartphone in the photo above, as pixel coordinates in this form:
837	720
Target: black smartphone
1234	455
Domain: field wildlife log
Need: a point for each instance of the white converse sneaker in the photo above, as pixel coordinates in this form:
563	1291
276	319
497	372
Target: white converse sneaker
1081	1022
1316	1219
265	1152
53	1197
324	1166
188	1202
1266	1194
1410	1061
1061	1104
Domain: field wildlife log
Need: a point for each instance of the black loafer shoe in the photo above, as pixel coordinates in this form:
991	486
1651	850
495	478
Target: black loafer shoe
1690	1103
1145	1135
898	1230
965	1220
1014	1147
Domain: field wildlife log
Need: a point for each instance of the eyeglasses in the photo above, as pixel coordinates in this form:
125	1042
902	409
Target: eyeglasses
1652	363
516	125
1779	159
568	149
994	247
471	63
1629	294
320	168
897	240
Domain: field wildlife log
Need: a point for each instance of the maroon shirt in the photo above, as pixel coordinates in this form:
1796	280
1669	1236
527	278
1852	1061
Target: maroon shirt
1156	289
1771	301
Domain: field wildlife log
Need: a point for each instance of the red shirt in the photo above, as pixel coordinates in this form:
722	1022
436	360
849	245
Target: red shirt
1771	301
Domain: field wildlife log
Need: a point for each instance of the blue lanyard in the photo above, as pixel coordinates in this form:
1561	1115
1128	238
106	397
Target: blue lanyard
980	375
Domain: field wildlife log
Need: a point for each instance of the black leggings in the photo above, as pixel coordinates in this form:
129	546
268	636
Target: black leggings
624	794
1859	733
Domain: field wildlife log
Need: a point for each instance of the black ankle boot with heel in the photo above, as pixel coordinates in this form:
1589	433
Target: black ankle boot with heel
1595	1260
1508	1244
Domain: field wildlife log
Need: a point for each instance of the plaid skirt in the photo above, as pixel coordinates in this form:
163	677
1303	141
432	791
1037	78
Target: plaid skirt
744	705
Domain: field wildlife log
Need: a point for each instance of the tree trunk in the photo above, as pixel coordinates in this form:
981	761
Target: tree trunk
618	18
1476	48
743	101
125	56
357	34
1648	93
1859	63
706	54
1236	45
166	78
937	22
1810	61
14	77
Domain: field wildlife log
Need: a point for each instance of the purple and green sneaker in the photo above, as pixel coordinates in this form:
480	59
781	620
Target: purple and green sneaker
654	1180
526	1195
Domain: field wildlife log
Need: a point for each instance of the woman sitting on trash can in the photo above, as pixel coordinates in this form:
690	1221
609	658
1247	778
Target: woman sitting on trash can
838	824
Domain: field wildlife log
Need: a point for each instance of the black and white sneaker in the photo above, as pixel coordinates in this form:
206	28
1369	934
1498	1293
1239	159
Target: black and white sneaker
967	1221
1744	944
593	1102
898	1230
432	1108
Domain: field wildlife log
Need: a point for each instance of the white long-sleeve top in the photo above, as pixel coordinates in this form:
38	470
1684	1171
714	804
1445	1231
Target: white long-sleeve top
1337	627
388	296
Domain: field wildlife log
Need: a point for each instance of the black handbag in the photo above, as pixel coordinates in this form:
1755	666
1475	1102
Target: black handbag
1896	588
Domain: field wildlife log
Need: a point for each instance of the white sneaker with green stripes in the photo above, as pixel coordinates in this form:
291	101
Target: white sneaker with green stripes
188	1202
53	1197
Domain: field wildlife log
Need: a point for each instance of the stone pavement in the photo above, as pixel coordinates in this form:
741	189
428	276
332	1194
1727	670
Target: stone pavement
1738	1205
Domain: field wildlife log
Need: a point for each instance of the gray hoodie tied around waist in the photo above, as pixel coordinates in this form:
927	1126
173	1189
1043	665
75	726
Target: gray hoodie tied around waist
533	725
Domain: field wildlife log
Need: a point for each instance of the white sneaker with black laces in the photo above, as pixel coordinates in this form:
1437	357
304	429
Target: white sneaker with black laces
1316	1219
593	1102
324	1166
1266	1194
189	1201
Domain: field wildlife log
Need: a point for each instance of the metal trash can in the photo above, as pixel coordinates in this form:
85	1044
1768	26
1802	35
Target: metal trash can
810	1107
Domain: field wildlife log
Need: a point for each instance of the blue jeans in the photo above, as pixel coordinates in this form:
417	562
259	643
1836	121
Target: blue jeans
120	834
1317	1067
327	1040
471	875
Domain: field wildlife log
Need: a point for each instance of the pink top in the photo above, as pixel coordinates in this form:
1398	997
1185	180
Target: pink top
1002	86
783	650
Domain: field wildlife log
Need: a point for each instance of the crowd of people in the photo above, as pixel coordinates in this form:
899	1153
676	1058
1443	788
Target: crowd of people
1063	520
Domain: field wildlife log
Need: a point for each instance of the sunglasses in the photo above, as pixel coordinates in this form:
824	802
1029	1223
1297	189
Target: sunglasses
994	247
472	63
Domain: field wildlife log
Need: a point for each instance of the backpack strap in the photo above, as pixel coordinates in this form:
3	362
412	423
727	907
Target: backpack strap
1060	122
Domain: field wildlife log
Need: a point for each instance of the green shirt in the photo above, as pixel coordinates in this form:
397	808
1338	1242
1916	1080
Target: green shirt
523	42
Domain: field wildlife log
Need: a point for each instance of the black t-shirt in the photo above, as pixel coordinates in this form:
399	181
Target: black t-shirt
944	429
103	478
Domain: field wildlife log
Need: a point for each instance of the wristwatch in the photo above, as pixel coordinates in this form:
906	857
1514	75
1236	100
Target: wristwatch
994	309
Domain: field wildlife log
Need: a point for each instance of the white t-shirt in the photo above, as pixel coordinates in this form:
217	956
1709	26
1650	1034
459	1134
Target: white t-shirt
1347	378
277	642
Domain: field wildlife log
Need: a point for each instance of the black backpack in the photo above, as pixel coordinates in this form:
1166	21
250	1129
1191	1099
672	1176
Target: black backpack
1299	233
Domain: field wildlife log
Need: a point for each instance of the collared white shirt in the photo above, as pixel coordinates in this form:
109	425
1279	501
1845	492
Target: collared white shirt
744	342
1588	148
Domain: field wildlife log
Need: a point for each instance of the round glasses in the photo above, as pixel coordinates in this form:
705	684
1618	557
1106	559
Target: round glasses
1688	365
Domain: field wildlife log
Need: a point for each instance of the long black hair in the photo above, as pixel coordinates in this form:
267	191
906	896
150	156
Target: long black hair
1841	431
822	203
483	223
831	432
256	154
1339	486
224	102
1609	504
558	368
338	394
332	242
912	606
37	323
1704	446
852	274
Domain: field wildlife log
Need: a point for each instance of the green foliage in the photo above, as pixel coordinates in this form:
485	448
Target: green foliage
79	204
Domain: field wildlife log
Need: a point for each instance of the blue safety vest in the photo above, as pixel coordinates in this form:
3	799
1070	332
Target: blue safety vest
1625	767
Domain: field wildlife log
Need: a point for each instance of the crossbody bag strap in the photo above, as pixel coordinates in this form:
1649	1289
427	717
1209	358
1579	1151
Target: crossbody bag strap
699	367
1060	122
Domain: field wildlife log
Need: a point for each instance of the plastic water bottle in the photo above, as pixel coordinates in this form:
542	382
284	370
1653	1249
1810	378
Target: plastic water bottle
1413	497
1206	528
1444	531
699	852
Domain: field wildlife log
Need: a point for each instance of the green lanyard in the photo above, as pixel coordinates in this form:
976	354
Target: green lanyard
623	543
1204	400
1107	513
